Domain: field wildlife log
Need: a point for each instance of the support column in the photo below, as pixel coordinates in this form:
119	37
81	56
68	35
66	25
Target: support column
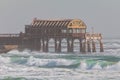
57	45
93	46
84	46
88	46
37	44
42	43
101	46
30	44
25	44
81	46
45	45
70	45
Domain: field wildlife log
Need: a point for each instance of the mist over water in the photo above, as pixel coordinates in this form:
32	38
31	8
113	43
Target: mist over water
32	65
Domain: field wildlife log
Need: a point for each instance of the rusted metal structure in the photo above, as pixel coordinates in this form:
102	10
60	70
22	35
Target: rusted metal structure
38	34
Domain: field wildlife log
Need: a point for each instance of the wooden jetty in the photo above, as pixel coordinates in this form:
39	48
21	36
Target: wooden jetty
38	34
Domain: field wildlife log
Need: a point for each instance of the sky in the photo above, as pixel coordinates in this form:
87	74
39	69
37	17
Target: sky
103	15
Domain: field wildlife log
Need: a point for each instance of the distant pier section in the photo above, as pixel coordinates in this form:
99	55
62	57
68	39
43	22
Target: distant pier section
39	33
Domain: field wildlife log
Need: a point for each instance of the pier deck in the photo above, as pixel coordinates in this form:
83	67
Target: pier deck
37	36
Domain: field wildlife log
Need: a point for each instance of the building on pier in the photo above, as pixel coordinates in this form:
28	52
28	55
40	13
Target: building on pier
38	34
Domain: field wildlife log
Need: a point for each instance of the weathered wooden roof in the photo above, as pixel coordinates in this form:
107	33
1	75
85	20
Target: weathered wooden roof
50	23
64	22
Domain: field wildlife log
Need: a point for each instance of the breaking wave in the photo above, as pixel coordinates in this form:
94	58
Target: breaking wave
33	65
50	62
83	62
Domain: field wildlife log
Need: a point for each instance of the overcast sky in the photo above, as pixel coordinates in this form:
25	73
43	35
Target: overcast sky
103	15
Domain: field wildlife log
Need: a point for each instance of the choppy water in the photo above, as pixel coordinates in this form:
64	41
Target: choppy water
27	65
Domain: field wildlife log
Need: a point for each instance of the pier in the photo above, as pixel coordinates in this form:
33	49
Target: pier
39	33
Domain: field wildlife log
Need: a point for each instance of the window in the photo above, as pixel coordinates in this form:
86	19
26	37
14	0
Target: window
70	31
74	30
64	31
83	31
78	30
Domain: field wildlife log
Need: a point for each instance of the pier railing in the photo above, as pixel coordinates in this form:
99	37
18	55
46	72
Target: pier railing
75	35
9	35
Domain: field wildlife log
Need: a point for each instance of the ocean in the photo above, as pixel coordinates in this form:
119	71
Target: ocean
33	65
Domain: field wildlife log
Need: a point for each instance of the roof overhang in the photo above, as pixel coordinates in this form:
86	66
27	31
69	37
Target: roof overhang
76	23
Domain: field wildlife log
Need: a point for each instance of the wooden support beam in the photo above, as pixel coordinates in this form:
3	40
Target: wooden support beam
84	47
93	46
70	45
57	45
101	46
45	45
88	46
81	46
42	43
37	44
32	45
